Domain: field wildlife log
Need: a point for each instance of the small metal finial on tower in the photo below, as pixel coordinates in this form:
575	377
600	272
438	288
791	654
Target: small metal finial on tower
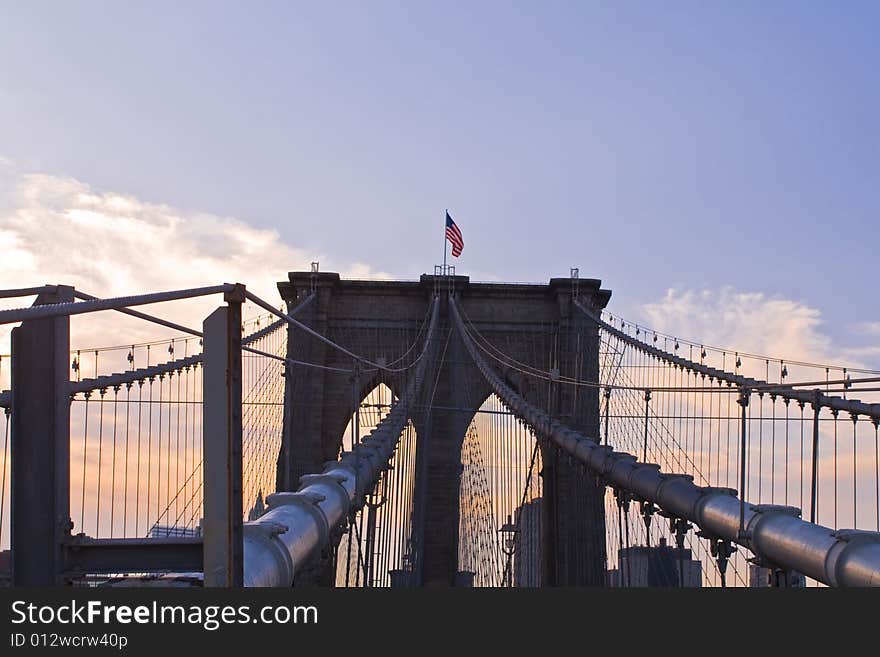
314	279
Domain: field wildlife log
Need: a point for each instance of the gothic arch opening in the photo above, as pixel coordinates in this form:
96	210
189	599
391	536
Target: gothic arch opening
376	550
500	501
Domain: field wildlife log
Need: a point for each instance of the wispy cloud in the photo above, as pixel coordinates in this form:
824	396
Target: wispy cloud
754	322
869	328
61	230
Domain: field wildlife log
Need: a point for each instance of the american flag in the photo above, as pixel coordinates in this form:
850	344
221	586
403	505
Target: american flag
453	234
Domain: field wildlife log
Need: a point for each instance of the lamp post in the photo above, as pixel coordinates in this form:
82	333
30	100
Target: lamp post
508	546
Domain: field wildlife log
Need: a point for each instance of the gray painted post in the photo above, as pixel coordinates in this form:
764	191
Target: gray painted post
40	486
814	474
223	546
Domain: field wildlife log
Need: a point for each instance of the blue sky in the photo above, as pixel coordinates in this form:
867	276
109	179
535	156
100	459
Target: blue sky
655	145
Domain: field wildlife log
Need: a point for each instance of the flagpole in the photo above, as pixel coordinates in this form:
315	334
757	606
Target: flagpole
445	246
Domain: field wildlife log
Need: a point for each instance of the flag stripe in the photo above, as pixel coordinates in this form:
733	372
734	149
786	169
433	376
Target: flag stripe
453	235
457	242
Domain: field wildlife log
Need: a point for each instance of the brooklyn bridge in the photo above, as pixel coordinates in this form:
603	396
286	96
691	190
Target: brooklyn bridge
434	432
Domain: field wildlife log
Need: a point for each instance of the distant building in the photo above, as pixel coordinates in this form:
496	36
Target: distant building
166	531
527	550
155	580
656	567
761	577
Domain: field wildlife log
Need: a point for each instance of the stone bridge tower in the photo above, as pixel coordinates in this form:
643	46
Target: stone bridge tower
534	324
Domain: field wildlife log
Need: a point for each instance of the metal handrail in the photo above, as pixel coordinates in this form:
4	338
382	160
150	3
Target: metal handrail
775	534
133	376
812	397
144	373
25	291
298	525
115	303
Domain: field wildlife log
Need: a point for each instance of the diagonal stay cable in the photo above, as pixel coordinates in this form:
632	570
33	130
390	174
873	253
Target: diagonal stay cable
814	397
744	354
315	334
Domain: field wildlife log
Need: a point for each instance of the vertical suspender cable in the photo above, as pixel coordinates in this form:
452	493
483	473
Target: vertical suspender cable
773	449
760	445
103	392
855	419
876	475
814	477
125	482
834	414
82	515
787	402
113	464
137	471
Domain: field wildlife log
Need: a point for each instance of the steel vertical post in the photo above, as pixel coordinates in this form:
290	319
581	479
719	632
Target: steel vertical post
743	401
40	483
814	475
223	541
